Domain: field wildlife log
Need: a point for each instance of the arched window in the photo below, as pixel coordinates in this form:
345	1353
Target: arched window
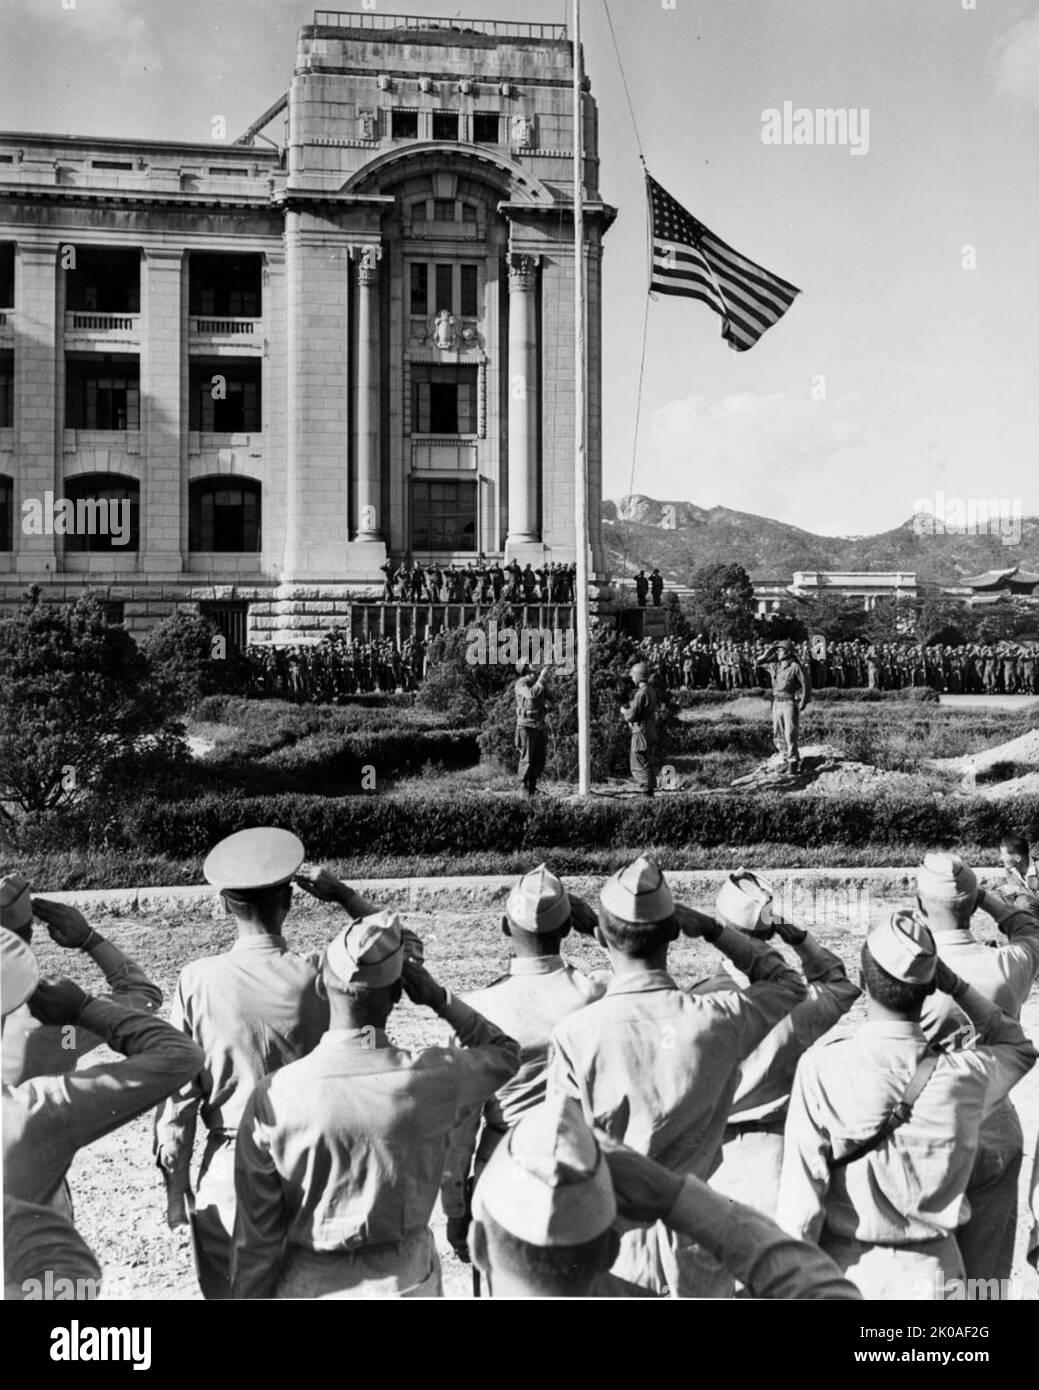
225	515
6	512
103	513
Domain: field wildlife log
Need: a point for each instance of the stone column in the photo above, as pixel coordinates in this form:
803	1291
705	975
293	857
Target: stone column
39	415
367	443
163	437
523	367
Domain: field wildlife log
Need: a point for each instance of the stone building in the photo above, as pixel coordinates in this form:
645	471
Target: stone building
347	336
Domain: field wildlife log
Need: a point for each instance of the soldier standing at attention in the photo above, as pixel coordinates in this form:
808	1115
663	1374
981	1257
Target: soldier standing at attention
531	732
791	692
539	990
251	1010
882	1130
641	716
656	587
641	588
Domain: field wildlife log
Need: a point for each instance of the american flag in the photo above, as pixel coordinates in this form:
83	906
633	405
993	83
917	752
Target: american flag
689	259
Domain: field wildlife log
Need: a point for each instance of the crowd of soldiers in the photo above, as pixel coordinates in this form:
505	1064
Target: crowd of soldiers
1003	668
325	671
604	1133
478	582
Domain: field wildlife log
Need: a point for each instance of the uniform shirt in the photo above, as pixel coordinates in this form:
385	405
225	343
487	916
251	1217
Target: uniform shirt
641	714
344	1149
789	681
48	1118
526	1004
251	1010
530	702
657	1067
912	1187
768	1073
31	1048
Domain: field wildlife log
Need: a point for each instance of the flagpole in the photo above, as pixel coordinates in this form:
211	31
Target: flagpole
580	434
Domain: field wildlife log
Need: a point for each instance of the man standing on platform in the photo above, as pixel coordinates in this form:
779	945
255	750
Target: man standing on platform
641	716
531	730
791	691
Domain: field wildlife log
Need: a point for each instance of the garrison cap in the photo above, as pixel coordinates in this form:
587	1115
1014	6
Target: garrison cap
19	973
638	893
15	902
547	1182
252	860
369	952
945	878
538	902
905	948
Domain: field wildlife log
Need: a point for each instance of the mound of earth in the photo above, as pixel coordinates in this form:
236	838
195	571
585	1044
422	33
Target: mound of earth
824	768
1020	756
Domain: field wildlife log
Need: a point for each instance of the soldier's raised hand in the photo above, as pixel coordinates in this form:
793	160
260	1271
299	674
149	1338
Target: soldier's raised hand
57	1001
66	924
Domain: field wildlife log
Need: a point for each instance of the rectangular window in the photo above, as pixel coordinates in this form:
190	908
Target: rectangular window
443	515
103	281
225	285
445	288
445	125
443	209
485	128
111	164
420	290
6	390
468	212
225	397
230	619
443	400
102	399
6	274
404	125
468	298
419	212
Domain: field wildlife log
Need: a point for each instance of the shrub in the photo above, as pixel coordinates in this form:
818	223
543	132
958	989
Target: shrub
190	661
76	700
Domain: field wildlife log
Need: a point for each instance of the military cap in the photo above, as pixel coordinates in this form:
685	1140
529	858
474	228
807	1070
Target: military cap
945	878
252	860
547	1182
369	952
640	671
538	902
905	949
15	902
784	646
638	893
19	973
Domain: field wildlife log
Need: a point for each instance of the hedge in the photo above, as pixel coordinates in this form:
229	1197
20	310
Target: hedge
424	825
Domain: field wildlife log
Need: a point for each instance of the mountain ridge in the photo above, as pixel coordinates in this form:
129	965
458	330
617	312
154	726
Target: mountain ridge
635	538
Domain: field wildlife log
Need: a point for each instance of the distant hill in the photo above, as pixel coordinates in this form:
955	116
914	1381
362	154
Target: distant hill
635	539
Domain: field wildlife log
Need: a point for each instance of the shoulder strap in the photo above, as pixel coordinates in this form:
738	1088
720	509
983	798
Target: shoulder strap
899	1114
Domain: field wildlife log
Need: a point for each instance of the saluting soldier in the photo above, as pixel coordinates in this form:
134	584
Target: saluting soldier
547	1205
340	1154
656	1067
791	692
882	1131
947	898
252	1010
538	991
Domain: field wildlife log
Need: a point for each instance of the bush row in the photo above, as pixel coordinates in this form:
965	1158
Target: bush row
831	694
424	825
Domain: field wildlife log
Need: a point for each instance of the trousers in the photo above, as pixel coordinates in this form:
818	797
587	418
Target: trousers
785	718
213	1220
409	1268
919	1270
643	762
533	751
986	1240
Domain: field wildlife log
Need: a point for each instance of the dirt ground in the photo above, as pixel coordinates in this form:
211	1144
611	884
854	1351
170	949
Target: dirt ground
118	1193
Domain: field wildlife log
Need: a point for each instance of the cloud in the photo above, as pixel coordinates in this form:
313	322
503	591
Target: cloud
1015	57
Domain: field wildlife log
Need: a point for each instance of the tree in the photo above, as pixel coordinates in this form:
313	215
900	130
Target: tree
837	617
724	604
76	700
944	620
459	684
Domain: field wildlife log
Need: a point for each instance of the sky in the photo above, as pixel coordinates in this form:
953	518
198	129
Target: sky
908	368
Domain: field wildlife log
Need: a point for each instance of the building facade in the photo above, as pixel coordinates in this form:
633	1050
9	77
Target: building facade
248	374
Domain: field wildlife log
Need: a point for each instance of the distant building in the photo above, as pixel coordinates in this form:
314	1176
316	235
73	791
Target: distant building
866	585
291	360
996	586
